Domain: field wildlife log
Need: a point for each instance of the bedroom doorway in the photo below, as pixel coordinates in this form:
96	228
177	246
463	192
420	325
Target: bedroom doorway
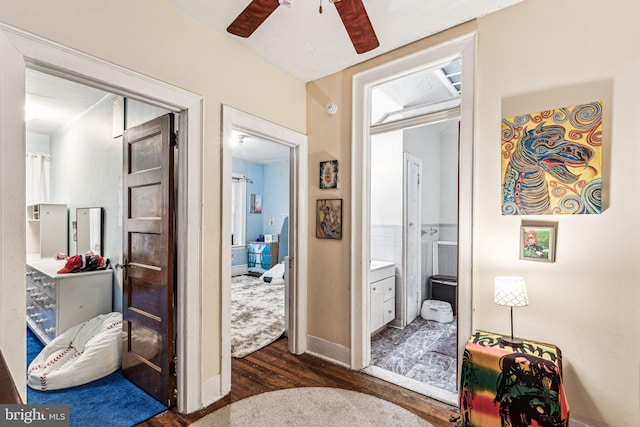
264	203
400	113
260	208
76	131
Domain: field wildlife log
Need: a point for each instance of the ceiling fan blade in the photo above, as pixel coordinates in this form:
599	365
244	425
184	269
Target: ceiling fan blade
252	17
356	21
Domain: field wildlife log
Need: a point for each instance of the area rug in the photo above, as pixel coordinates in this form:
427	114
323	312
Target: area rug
310	407
257	314
111	401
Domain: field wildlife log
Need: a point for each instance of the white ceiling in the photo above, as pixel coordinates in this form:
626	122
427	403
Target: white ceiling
52	102
257	150
297	39
310	45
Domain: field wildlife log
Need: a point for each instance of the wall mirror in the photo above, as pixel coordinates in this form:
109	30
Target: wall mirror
89	230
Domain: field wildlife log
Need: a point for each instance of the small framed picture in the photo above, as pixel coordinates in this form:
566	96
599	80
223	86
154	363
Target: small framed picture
538	241
256	204
329	174
329	219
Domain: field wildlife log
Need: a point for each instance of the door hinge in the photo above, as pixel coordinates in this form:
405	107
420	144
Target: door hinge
174	141
172	367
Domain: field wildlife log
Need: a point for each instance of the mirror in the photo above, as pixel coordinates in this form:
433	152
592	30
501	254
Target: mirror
89	230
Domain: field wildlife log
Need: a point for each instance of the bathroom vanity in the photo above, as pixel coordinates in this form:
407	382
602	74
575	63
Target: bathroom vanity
382	282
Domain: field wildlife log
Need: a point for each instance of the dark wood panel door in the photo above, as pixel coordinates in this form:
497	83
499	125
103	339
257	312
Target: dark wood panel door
149	280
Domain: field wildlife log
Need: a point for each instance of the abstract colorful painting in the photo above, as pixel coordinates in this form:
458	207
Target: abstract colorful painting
552	161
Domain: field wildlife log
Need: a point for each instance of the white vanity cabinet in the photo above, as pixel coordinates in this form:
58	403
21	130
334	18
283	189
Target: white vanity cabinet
382	282
56	302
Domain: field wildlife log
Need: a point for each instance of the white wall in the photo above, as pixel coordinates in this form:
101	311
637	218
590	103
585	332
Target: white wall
386	179
544	54
86	170
38	142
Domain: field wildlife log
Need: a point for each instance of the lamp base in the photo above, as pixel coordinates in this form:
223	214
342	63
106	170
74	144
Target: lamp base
512	342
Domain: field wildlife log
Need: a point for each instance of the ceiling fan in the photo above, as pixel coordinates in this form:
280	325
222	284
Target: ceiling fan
352	12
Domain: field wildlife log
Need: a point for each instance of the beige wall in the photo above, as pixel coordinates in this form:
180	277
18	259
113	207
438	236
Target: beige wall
537	55
546	54
329	292
157	39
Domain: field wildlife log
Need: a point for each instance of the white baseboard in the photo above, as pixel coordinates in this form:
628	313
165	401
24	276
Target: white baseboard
237	270
329	351
211	391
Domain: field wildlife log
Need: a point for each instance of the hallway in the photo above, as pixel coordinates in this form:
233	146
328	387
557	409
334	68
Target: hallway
273	368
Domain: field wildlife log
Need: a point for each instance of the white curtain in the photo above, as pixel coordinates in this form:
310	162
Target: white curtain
238	210
38	165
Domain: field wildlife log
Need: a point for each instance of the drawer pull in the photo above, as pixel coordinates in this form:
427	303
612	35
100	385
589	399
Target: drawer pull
31	288
39	321
34	315
30	307
50	306
374	288
40	299
50	330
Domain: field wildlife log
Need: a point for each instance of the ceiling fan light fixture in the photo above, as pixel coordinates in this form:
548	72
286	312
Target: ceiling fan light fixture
352	13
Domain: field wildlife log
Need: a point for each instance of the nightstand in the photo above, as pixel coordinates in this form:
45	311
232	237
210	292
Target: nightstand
500	384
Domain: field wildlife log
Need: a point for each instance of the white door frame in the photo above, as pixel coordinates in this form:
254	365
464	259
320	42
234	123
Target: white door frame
464	47
233	119
19	50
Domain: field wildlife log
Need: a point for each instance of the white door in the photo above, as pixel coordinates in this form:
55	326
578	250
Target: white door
412	203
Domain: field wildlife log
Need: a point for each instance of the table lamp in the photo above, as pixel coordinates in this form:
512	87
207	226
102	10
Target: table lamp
512	292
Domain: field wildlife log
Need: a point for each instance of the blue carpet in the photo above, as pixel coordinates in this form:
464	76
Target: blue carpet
112	401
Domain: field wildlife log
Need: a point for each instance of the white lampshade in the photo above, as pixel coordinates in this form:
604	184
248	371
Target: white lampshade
510	291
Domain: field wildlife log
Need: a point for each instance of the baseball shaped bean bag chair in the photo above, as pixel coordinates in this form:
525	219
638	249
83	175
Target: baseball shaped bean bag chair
81	354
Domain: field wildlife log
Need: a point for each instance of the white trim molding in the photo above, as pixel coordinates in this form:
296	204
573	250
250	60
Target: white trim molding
19	50
329	351
465	48
233	119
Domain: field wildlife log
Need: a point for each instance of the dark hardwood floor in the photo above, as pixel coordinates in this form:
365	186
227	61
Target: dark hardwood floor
273	368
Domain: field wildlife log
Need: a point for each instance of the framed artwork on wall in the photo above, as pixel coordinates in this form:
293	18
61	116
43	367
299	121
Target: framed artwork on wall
329	174
256	204
552	161
329	219
538	241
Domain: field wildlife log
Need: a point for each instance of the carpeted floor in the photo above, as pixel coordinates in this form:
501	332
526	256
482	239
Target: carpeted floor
425	351
312	407
257	314
112	401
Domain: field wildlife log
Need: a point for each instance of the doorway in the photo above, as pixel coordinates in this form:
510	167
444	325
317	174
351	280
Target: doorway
418	347
21	51
77	132
260	241
236	123
368	124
